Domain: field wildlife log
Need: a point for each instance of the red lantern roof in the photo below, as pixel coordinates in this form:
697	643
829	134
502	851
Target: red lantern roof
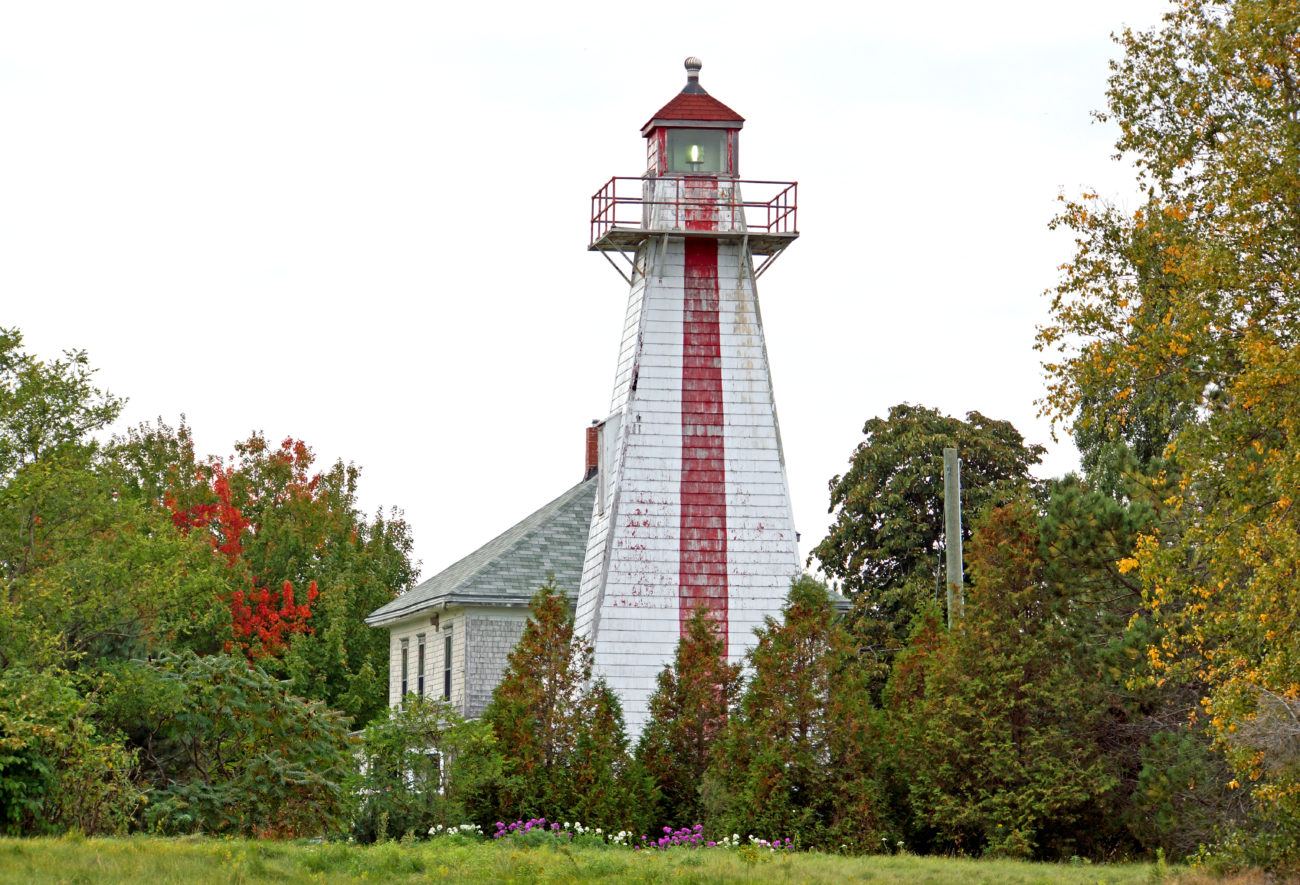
693	105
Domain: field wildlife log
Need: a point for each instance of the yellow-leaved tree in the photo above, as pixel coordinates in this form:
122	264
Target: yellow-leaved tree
1173	333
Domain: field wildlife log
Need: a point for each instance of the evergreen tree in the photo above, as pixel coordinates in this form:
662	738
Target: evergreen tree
561	736
611	788
796	760
537	708
994	723
688	712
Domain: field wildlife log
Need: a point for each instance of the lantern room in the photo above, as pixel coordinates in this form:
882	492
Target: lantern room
692	186
694	134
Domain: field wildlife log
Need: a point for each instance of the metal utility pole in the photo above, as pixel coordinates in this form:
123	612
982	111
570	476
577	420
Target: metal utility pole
952	532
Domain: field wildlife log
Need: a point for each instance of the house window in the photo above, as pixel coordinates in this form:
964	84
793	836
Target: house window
446	667
425	773
406	653
419	665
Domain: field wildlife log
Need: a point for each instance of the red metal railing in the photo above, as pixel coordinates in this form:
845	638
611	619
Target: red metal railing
632	204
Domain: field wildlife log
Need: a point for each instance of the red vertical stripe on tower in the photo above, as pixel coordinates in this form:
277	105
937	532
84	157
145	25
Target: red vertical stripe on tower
703	564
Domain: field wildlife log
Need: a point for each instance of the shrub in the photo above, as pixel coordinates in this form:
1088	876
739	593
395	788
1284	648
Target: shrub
422	770
57	772
230	750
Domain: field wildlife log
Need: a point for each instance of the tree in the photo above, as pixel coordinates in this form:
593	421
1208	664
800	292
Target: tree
89	571
58	771
994	721
561	734
688	712
102	576
538	707
1190	304
112	557
307	566
46	410
611	787
796	761
45	407
885	543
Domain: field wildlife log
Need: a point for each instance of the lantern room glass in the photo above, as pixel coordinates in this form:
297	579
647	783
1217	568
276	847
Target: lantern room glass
697	150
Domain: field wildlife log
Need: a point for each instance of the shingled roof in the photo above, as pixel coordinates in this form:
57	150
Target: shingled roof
508	569
693	105
697	107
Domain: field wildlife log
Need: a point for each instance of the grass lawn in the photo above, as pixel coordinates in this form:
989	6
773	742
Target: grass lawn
196	860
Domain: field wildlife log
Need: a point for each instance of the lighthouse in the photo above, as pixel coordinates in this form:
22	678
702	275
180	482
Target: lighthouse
692	506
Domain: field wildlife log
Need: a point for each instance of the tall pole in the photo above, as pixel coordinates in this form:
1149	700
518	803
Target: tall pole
952	531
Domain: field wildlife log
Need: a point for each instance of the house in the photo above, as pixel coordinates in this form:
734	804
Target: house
450	635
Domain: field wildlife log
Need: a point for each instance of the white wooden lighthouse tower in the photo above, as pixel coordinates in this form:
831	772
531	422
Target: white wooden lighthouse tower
693	506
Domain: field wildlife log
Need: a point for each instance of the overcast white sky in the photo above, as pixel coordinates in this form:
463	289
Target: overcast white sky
364	224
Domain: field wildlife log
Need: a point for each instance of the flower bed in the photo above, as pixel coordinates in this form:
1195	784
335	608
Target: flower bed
537	831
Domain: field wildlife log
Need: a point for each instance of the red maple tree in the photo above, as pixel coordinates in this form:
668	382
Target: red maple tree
228	511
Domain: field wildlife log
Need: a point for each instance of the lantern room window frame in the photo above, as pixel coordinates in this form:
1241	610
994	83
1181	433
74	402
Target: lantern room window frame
659	153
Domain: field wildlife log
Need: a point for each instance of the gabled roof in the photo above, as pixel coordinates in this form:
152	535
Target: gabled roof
508	569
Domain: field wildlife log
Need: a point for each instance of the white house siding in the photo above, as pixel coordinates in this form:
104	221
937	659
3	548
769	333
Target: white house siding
450	620
408	630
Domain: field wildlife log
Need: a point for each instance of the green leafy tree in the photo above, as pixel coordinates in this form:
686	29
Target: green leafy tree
46	406
796	758
47	410
688	712
886	541
105	577
89	571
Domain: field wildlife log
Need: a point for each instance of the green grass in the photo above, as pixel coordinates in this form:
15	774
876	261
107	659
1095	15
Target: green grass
196	861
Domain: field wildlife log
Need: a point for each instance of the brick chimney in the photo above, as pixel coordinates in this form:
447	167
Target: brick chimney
593	451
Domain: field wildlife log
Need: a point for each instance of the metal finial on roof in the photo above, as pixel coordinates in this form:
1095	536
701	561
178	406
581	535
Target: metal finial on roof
693	86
